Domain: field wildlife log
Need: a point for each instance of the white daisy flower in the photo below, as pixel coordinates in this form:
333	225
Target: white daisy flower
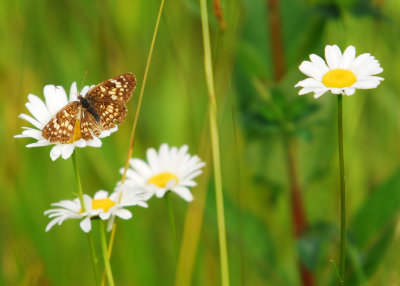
42	112
341	74
169	169
101	206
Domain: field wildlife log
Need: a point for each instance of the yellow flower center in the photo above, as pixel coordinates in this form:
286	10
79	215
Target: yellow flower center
104	204
161	180
77	132
339	78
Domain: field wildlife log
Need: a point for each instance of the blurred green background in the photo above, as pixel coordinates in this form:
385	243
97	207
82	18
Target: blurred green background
56	42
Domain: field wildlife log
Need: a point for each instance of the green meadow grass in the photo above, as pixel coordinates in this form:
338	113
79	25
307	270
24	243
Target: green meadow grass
56	42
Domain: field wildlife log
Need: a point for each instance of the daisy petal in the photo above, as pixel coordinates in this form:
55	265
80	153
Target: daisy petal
51	224
310	82
95	142
306	90
33	133
310	69
67	150
349	90
319	62
333	56
56	98
31	120
101	195
348	57
82	143
38	144
104	215
124	214
55	152
160	192
184	193
336	90
368	84
318	94
38	109
313	89
86	225
73	93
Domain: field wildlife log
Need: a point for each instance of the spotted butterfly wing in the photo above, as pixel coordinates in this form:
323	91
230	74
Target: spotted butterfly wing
61	126
117	89
109	97
101	108
110	113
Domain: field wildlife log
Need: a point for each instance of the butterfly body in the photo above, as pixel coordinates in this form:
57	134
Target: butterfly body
101	109
89	108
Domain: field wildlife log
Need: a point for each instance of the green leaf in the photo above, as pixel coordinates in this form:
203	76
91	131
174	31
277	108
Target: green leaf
378	211
364	263
372	228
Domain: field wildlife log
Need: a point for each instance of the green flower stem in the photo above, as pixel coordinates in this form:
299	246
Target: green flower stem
94	258
89	235
78	181
342	267
213	114
110	246
107	265
167	200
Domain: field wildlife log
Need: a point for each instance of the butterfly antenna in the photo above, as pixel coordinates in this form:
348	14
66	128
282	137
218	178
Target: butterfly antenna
83	80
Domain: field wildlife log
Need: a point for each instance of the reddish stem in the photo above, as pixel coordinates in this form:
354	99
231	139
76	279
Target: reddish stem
298	213
276	39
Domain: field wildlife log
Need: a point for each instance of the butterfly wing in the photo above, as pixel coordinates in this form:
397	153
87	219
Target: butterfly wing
109	97
61	127
117	89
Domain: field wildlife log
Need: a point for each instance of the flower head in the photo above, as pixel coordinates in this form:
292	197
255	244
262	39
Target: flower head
169	169
341	74
103	206
42	112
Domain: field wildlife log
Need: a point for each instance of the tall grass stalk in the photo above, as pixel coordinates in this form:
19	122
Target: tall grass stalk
132	138
213	115
342	266
89	235
146	71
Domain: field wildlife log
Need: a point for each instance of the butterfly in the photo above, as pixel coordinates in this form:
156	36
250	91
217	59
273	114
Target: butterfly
101	109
